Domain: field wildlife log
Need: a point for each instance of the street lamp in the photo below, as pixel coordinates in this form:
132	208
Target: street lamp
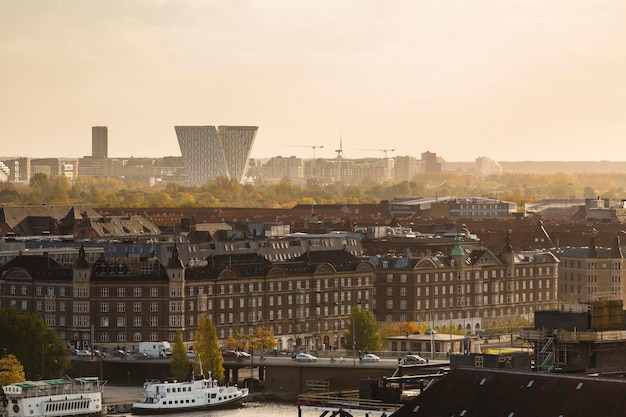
354	333
353	339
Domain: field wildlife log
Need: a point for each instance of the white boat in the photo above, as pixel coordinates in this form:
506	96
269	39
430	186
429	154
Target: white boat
55	397
170	397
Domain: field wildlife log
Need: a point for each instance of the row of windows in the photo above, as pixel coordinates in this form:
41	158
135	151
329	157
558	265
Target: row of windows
136	337
121	292
50	291
577	290
80	292
460	315
203	305
479	288
591	264
466	301
484	274
290	285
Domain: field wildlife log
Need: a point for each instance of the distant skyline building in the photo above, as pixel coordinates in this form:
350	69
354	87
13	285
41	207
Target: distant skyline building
210	152
100	142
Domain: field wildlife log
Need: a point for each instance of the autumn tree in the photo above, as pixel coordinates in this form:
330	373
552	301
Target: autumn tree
263	339
180	363
400	328
208	349
11	370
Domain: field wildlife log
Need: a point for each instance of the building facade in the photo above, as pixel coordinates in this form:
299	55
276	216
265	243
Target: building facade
210	152
100	142
123	301
591	273
467	288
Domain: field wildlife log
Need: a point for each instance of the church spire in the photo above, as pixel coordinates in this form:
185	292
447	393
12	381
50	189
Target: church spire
175	262
592	252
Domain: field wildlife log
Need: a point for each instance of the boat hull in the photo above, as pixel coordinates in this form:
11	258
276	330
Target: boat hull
147	409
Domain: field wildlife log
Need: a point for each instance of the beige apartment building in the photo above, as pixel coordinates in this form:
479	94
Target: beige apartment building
591	273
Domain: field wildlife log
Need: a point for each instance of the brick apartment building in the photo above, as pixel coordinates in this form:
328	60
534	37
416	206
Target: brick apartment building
122	301
467	287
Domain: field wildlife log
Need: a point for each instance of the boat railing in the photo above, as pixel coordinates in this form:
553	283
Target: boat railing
30	389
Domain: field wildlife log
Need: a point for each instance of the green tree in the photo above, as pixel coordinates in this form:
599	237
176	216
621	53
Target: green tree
179	364
366	331
46	356
11	370
208	349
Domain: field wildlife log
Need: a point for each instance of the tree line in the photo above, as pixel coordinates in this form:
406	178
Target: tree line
226	192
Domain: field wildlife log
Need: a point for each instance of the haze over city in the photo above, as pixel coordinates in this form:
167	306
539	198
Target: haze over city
509	80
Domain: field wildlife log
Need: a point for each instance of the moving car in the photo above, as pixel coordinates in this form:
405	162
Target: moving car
304	357
414	359
370	357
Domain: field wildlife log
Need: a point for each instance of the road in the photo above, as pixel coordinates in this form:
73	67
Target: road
281	360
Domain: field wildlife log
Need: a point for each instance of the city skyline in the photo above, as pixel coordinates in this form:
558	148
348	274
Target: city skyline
512	81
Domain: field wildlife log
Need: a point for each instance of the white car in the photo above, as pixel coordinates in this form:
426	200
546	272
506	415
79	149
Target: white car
370	357
305	357
244	355
414	359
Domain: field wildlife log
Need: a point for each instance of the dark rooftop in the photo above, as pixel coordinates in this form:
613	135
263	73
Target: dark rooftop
497	393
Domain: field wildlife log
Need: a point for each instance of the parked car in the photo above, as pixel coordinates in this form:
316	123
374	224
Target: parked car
244	355
81	352
305	357
99	353
408	359
191	354
370	357
141	355
230	355
117	352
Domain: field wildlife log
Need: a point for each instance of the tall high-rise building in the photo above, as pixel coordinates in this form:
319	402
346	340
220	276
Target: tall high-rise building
210	152
99	142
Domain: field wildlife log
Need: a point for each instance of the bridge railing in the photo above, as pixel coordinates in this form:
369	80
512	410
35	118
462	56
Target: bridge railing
344	400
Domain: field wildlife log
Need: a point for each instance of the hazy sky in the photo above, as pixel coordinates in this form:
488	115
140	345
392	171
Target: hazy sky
508	79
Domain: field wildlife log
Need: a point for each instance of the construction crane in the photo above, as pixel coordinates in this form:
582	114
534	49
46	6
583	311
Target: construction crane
314	147
379	150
